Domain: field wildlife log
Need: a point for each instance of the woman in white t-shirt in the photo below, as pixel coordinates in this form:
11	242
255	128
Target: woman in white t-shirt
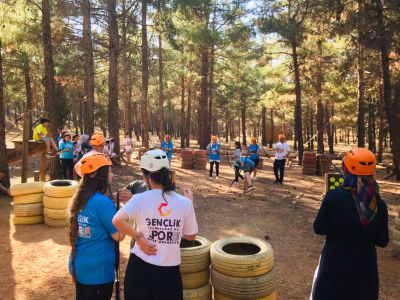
282	151
163	217
128	147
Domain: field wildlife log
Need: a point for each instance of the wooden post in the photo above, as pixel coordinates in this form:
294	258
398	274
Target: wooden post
25	148
173	176
36	175
42	168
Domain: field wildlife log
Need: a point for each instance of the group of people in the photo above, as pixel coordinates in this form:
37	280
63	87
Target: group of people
250	161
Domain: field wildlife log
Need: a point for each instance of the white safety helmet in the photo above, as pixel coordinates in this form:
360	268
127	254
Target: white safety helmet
154	160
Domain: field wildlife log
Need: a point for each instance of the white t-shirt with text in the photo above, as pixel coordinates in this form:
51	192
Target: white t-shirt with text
281	150
163	223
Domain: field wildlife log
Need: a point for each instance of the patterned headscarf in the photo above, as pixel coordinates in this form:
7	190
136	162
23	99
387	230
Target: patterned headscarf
363	190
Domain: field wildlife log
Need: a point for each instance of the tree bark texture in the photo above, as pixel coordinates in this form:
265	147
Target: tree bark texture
182	117
89	67
28	91
361	77
243	115
203	101
113	112
271	141
264	126
160	80
320	108
3	149
212	129
145	78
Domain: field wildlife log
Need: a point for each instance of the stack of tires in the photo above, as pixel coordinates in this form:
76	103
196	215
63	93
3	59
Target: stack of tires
323	164
56	200
309	163
28	203
195	269
242	268
200	159
187	159
396	231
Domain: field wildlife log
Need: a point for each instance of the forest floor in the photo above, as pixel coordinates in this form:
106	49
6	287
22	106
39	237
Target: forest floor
33	258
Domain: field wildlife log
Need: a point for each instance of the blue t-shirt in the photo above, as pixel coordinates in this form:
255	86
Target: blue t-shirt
68	154
247	160
95	249
168	145
214	152
253	151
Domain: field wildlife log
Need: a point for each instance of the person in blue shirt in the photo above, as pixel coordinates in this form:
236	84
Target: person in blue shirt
67	156
245	164
214	150
92	234
254	154
167	146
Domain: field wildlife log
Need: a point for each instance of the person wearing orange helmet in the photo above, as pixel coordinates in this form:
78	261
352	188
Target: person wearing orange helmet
167	146
354	220
214	150
282	150
92	234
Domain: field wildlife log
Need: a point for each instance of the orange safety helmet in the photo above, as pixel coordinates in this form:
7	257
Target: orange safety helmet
92	162
360	161
214	138
97	140
282	136
167	137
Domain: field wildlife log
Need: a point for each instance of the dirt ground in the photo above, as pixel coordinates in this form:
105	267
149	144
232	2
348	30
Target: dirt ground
33	258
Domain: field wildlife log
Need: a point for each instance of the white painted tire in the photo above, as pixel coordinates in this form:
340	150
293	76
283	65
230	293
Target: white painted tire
26	188
195	280
203	293
28	220
60	188
242	256
56	203
28	210
28	199
56	214
195	258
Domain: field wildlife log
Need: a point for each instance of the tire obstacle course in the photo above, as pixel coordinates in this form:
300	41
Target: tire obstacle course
396	231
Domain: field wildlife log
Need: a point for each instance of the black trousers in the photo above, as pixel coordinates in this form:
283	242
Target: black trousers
67	167
216	168
144	281
279	164
94	292
237	174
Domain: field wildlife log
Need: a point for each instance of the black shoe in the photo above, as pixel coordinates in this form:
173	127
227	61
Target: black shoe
276	182
280	181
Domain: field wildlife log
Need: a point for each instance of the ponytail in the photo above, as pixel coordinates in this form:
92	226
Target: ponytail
163	177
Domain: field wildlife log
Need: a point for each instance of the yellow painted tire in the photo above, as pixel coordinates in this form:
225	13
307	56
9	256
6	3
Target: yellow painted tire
242	256
28	220
28	199
60	188
56	214
256	287
56	223
397	223
26	188
203	293
195	255
28	210
219	296
396	245
195	280
56	203
396	235
398	211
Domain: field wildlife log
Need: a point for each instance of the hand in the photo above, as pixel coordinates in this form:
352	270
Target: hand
147	247
188	193
124	195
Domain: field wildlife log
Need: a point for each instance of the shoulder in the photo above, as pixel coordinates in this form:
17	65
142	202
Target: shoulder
182	200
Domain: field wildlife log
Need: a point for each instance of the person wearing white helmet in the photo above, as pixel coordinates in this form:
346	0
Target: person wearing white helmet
163	218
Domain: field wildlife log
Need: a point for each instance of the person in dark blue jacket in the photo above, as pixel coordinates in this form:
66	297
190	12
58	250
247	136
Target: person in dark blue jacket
354	220
92	234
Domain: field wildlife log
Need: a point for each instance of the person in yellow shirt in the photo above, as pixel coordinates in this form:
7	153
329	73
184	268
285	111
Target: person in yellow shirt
40	134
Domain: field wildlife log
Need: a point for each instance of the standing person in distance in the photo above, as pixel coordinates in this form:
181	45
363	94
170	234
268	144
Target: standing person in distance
128	147
354	220
163	217
282	150
92	234
67	157
238	163
254	150
167	146
214	150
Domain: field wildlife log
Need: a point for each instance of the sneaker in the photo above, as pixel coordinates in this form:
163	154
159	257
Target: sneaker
248	191
280	182
50	154
216	178
254	178
210	178
236	184
276	182
250	188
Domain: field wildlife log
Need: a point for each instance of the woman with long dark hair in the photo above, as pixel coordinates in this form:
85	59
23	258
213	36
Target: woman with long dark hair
92	234
163	217
354	219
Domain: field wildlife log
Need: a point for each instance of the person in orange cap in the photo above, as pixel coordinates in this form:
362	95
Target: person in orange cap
354	220
92	234
282	150
167	146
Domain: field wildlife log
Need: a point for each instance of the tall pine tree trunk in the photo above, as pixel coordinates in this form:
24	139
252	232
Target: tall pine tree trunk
182	117
297	113
145	78
361	77
320	108
113	112
188	114
89	67
264	126
243	115
160	79
203	101
393	119
3	148
211	93
28	90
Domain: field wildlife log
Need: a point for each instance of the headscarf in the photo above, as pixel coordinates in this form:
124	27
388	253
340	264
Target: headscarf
364	190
